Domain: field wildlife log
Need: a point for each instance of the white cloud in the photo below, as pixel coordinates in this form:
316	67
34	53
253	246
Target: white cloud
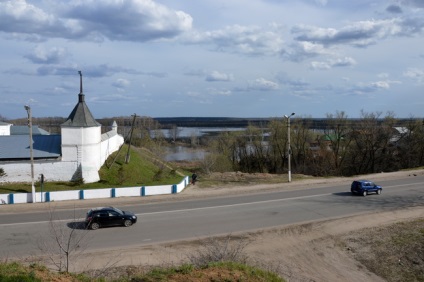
343	62
121	83
219	76
41	55
131	20
219	92
263	85
415	74
303	50
360	34
316	52
109	98
249	40
340	62
372	87
320	65
381	84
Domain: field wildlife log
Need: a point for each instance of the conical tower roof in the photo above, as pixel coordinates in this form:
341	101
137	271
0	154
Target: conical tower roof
81	115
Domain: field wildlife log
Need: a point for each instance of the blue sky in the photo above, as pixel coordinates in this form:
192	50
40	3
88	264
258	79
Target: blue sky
212	58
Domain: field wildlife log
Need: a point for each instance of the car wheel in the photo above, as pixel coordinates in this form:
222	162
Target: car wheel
364	193
94	226
379	192
127	223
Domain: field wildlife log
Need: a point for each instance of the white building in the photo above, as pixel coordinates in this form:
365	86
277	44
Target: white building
4	128
78	153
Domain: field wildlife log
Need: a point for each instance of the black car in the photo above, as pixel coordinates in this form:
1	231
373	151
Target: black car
109	216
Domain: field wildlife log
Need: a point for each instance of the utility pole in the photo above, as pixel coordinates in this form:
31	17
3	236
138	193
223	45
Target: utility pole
127	158
288	144
28	109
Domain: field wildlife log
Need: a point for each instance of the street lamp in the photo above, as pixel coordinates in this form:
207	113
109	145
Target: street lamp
28	109
288	144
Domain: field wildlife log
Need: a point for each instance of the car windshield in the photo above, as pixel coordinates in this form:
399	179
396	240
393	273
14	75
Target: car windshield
118	211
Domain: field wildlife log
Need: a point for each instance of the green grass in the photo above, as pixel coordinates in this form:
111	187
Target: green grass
18	272
143	169
223	271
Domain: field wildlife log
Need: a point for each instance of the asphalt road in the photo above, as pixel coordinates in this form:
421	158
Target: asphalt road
32	233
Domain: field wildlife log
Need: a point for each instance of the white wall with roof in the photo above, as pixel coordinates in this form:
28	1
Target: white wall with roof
67	169
83	149
83	145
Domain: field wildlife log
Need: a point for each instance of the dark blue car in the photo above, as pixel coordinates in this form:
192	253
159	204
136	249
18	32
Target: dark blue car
364	187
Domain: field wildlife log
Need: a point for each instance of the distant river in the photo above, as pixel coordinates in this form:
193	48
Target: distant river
181	153
187	132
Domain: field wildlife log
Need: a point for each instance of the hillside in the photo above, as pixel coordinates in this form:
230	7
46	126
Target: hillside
143	168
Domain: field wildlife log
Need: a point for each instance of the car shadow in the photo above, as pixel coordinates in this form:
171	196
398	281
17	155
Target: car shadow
79	225
343	194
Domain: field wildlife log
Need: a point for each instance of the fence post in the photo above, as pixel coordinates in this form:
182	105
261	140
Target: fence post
143	191
11	199
81	194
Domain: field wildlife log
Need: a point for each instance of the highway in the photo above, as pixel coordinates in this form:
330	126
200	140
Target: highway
26	234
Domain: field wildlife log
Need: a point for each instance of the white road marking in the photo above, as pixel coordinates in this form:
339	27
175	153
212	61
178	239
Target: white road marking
208	208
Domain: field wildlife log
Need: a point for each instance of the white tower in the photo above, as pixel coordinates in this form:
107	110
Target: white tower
81	141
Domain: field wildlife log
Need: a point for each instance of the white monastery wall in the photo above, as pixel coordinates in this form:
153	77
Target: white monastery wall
65	169
109	146
52	170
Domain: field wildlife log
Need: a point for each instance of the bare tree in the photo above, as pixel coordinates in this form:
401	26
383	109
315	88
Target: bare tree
337	135
194	139
410	143
302	138
66	242
174	132
256	150
371	149
226	144
278	145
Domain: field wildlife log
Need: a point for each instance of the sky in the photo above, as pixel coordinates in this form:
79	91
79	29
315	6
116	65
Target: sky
212	58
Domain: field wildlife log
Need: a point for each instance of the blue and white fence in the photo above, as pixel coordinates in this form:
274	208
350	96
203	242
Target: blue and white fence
20	198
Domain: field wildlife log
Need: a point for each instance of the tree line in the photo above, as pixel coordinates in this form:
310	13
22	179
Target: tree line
340	147
374	144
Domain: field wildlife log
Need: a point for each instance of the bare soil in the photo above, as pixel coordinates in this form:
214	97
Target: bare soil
330	250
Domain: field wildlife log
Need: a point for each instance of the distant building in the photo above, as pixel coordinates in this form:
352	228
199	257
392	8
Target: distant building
77	153
4	128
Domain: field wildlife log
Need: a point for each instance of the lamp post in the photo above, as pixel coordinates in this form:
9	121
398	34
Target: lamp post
28	109
288	144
